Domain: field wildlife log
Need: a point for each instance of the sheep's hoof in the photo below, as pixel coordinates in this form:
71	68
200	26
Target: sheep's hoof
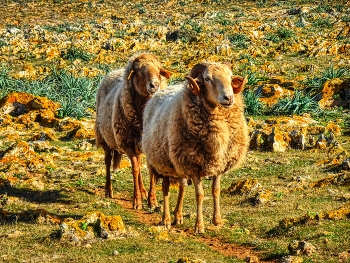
199	229
166	224
217	222
152	203
137	206
179	220
108	194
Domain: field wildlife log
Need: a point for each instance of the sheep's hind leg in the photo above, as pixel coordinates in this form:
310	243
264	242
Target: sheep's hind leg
215	189
152	198
180	199
141	185
166	220
135	165
108	160
199	226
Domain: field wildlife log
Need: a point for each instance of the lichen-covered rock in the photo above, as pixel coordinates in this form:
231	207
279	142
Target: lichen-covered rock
270	93
292	259
278	141
244	187
301	248
92	225
335	92
262	197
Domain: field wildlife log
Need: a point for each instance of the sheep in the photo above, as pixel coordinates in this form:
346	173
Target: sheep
196	130
120	100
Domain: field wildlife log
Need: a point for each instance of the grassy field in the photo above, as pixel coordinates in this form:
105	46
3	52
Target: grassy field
61	49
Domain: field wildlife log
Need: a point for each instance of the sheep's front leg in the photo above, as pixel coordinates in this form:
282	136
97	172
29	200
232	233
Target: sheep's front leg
141	185
215	189
180	200
152	198
135	165
108	185
199	226
166	221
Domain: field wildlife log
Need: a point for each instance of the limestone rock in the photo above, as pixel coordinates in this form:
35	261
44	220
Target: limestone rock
292	259
244	187
335	92
301	248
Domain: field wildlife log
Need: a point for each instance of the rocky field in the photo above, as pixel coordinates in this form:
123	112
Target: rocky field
290	202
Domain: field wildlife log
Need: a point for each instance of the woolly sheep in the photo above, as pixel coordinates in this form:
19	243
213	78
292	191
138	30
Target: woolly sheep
120	101
194	131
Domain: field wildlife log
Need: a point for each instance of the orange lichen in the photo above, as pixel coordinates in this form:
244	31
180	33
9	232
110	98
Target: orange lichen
244	186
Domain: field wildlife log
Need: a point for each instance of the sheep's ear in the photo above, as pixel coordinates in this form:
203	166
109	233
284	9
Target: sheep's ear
165	73
130	74
193	85
238	83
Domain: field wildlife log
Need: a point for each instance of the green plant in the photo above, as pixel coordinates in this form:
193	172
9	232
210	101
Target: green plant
323	22
331	72
345	19
285	33
299	103
239	40
323	9
73	53
253	106
272	37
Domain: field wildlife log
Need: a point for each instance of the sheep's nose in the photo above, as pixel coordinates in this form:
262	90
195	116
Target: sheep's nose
227	100
153	87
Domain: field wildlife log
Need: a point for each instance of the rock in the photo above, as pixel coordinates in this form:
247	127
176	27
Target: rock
278	141
344	256
84	145
115	253
301	248
244	187
270	93
252	259
262	197
335	92
321	142
14	234
292	259
346	164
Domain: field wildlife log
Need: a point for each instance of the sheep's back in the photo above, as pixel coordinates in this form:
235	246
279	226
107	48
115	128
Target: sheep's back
159	115
109	89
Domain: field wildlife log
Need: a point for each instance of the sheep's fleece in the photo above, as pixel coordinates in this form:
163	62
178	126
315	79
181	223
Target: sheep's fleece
181	137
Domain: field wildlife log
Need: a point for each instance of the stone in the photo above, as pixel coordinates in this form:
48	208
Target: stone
244	187
115	253
335	92
301	248
292	259
346	164
252	259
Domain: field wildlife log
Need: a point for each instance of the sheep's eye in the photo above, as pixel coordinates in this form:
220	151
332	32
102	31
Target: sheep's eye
207	79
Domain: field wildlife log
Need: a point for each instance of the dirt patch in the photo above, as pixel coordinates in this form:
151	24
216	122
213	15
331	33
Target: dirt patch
227	249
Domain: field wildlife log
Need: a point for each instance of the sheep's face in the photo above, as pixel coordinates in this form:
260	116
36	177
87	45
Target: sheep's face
148	72
217	82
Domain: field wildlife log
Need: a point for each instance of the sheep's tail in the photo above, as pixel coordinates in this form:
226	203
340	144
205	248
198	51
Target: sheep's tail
116	159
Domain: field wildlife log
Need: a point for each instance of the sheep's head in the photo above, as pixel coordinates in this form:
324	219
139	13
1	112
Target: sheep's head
216	82
146	73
